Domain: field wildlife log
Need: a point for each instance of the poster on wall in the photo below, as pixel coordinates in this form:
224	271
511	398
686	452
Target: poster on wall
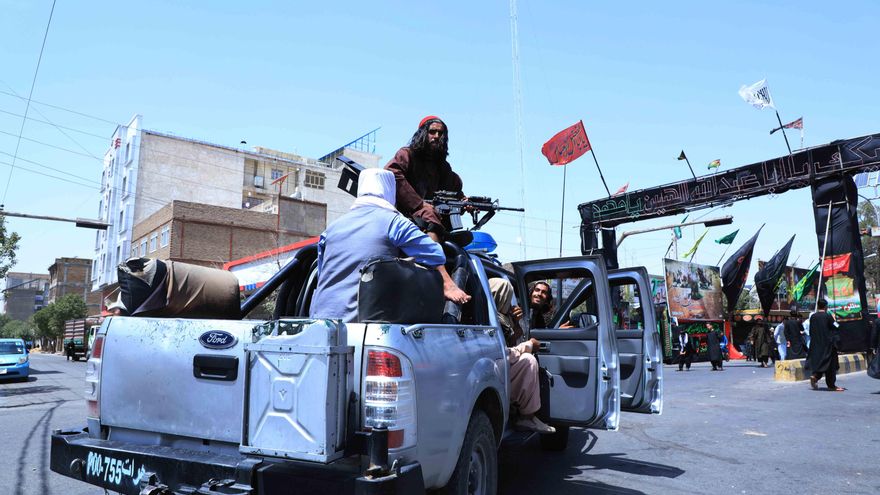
693	291
785	297
840	288
658	289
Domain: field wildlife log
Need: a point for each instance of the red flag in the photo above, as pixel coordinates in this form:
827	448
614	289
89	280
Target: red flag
622	189
567	145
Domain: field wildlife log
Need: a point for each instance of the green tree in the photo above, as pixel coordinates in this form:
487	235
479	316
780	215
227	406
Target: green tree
42	321
870	245
69	307
8	247
16	329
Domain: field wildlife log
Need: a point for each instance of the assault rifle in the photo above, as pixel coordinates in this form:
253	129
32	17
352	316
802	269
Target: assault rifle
448	203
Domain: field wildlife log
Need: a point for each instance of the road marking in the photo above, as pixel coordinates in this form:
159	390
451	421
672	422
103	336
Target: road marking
754	433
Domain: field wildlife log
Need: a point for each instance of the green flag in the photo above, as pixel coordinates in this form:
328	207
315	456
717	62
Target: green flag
728	239
693	250
677	230
803	284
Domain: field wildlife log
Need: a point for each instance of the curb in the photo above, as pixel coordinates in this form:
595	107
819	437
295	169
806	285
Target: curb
793	370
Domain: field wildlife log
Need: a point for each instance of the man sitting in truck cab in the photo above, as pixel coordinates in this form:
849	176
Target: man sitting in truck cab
525	392
371	229
541	306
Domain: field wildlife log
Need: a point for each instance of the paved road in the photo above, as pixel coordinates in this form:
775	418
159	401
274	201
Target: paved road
51	398
736	432
731	432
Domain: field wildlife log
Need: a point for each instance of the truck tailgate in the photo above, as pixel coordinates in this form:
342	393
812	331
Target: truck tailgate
148	380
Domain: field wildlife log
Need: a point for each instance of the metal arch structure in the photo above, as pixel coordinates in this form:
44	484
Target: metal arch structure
804	168
827	170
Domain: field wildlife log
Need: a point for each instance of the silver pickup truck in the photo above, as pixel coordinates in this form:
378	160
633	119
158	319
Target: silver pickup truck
294	405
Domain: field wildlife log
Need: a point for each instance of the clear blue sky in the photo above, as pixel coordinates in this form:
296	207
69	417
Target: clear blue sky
648	81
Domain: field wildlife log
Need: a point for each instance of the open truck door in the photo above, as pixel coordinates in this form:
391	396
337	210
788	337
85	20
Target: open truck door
638	341
582	360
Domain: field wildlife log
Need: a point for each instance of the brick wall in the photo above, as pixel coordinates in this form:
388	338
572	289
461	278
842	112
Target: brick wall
212	235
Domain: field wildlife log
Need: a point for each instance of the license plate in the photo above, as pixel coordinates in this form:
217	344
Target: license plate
114	471
2	371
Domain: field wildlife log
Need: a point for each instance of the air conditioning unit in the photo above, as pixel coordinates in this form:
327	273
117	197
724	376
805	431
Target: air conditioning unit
258	181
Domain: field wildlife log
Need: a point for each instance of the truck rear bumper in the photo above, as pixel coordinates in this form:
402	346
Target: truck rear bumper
134	469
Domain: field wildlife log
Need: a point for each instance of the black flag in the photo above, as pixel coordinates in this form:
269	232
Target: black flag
682	156
736	270
768	277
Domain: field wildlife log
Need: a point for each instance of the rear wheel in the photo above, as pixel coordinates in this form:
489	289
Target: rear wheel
476	471
555	442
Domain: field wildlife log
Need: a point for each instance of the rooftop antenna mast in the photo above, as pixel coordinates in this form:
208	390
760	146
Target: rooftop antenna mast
518	119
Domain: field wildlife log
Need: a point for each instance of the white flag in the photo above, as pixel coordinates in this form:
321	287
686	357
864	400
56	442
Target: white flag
757	95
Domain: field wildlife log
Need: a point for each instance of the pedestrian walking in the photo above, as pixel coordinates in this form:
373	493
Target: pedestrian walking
714	348
823	349
762	341
686	350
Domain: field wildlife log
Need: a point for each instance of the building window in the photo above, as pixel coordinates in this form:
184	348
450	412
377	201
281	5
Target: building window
315	180
124	186
153	237
166	233
276	174
128	152
121	220
118	254
143	247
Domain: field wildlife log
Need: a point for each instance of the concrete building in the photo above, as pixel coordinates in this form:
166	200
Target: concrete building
25	294
146	170
73	276
213	235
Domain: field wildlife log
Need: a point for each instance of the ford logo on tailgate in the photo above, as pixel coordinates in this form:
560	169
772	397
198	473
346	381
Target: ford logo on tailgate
217	339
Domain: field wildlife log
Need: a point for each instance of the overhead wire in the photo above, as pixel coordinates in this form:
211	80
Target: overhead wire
68	136
27	107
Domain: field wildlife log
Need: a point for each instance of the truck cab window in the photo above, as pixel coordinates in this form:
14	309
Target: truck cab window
626	305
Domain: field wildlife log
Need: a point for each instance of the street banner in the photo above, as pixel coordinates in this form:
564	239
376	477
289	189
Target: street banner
767	278
844	286
796	289
735	271
757	95
567	145
692	251
693	291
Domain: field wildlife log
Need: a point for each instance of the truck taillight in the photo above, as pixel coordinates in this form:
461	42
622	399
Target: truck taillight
93	379
98	347
383	363
388	397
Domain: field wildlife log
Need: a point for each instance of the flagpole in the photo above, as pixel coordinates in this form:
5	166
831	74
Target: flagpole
779	119
562	209
689	165
822	261
600	172
724	253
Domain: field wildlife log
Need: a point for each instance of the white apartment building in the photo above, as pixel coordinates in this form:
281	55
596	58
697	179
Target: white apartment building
144	170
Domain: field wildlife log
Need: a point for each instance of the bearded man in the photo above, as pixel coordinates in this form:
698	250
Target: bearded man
420	170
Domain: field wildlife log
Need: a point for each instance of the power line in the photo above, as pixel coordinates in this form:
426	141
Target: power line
75	112
28	105
68	136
